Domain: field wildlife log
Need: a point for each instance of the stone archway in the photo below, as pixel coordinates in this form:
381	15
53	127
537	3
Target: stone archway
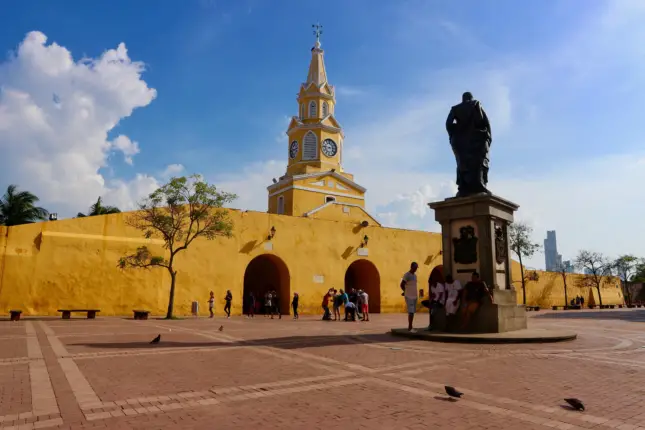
363	275
268	272
437	275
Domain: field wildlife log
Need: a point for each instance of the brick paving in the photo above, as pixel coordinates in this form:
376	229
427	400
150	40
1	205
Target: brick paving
278	374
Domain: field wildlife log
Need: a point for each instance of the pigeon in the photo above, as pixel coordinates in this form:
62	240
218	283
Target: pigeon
221	328
156	340
452	392
575	404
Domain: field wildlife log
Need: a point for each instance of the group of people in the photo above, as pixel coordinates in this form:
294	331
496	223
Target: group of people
449	296
271	305
355	304
578	301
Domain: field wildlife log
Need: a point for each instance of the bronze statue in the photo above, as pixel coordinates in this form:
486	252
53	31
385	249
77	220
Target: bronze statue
470	138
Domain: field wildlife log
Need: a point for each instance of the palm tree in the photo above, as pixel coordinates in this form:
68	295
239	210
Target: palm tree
98	209
18	207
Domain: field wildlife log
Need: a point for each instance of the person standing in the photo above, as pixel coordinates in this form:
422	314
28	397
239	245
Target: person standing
276	303
453	291
336	301
365	300
294	305
410	292
437	300
211	304
325	306
227	303
268	305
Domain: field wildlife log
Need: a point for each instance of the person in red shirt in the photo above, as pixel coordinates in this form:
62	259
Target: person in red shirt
325	306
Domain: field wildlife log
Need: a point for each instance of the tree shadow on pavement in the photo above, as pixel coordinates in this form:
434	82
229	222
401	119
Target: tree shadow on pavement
289	342
631	315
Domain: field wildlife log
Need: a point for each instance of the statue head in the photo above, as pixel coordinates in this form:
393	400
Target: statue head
467	96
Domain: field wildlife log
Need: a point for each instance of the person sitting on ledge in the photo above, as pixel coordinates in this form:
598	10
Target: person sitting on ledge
473	297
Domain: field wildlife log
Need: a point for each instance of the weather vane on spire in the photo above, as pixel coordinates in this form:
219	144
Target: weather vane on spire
317	32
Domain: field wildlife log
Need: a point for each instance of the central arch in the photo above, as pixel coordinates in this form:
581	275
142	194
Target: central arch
363	275
264	273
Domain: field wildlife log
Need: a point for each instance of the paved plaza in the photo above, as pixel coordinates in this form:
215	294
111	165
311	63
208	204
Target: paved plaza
312	374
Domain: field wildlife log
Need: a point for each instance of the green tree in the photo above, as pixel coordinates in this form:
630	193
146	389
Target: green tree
639	275
178	213
519	236
626	267
19	207
98	209
595	267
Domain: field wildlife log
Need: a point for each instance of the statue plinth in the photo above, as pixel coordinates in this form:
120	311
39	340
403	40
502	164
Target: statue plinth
475	239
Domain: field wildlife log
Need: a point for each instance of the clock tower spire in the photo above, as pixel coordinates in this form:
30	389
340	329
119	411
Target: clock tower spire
315	139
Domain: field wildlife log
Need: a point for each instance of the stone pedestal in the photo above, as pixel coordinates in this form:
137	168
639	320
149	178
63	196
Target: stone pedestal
475	239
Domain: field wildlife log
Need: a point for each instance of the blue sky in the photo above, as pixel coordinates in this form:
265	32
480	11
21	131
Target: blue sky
561	80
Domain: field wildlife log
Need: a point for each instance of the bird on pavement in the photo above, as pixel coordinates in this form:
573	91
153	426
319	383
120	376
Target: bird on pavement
156	340
575	404
221	328
452	392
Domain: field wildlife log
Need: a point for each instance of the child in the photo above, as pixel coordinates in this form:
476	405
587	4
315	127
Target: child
294	305
211	304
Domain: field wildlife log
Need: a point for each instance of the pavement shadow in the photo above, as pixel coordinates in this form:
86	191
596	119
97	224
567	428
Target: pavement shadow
631	315
288	342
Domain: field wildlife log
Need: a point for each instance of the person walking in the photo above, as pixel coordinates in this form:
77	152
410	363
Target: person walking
250	306
294	305
211	304
227	303
410	292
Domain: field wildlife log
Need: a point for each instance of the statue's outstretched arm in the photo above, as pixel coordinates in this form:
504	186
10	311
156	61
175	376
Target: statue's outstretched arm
450	122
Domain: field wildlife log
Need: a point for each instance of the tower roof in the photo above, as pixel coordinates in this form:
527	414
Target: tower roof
317	74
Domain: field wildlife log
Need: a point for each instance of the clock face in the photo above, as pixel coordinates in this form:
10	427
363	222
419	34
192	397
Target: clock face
293	149
329	148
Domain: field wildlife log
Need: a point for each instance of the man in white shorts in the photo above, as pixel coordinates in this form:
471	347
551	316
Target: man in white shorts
410	292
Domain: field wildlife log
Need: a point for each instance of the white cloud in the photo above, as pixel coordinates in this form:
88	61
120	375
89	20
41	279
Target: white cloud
172	170
55	116
128	147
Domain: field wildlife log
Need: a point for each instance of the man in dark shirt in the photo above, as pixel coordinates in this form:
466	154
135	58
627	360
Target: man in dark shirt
473	297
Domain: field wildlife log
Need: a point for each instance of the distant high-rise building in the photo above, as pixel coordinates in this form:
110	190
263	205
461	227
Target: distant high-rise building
552	260
568	266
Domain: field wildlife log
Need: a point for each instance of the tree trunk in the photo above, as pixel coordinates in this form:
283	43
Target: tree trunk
519	254
566	298
599	296
171	299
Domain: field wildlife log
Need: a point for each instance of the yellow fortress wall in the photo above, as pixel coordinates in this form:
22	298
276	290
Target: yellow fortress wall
73	263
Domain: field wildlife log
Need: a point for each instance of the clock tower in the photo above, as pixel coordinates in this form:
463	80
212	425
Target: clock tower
315	183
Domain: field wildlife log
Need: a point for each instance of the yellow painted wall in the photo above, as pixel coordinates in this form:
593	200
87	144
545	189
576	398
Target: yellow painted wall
549	289
73	263
337	212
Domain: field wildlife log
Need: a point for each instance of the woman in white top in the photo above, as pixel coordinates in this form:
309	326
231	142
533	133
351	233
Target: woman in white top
453	290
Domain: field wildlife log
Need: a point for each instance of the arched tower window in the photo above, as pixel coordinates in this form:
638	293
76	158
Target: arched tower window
312	109
280	205
325	109
310	146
